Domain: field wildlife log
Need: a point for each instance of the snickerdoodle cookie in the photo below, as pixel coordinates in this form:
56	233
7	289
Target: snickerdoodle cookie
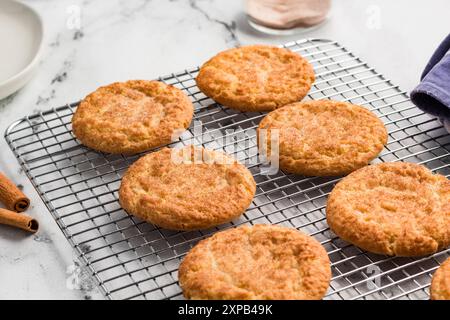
440	284
187	189
256	77
260	262
133	116
397	209
323	137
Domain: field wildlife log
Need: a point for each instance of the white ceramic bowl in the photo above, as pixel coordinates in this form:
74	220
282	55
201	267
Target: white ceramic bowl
21	35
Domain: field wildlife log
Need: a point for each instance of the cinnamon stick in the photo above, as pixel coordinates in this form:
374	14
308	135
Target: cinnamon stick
18	220
11	196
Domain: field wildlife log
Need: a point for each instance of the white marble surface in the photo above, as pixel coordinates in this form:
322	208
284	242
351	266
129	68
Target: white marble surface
129	39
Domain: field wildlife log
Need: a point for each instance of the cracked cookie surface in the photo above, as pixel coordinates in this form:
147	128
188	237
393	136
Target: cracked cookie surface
256	262
133	116
396	209
440	284
256	77
187	189
324	137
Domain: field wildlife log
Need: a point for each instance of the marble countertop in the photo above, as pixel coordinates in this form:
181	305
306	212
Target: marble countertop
91	42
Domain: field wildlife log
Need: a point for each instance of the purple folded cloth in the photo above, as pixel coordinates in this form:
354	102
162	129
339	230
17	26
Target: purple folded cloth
432	95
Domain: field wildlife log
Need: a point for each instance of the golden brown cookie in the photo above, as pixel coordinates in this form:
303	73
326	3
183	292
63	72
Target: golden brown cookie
397	209
133	116
324	137
256	78
205	189
440	284
260	262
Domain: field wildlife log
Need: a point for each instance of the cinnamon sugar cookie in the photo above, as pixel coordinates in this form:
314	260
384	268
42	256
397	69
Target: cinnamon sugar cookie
397	209
440	284
256	77
133	116
204	189
264	262
324	137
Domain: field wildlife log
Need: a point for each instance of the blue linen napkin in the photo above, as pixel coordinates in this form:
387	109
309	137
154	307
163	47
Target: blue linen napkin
432	95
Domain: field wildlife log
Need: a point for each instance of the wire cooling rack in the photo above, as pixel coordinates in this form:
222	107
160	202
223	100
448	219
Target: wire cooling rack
131	259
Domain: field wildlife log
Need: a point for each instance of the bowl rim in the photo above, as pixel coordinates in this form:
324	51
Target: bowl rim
38	51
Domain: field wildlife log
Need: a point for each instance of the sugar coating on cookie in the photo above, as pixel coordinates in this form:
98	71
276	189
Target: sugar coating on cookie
133	116
256	77
396	209
256	262
440	284
187	189
324	137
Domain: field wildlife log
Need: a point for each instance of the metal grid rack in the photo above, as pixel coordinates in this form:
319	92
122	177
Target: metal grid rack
131	259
